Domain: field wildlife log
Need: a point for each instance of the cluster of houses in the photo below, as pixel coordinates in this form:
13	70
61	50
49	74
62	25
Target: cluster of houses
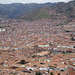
45	45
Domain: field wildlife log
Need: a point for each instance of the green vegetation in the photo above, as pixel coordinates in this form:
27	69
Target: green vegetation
33	56
51	73
36	15
4	26
32	11
16	10
38	73
22	61
42	14
62	23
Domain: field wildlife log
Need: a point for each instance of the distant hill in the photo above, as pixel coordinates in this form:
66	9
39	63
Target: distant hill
58	11
17	9
35	11
67	9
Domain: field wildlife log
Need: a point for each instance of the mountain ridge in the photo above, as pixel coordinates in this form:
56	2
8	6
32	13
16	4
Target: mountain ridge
16	9
35	11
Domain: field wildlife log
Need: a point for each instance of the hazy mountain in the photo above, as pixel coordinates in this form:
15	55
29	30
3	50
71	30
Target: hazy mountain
59	11
17	9
35	11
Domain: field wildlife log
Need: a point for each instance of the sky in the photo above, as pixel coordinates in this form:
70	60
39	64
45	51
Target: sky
30	1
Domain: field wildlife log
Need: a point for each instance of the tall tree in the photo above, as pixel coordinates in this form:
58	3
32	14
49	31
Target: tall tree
38	73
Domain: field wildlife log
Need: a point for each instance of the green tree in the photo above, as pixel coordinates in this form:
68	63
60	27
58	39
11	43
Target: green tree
38	73
22	61
51	73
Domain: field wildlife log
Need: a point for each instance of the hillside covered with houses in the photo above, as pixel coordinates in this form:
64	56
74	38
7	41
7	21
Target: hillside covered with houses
41	42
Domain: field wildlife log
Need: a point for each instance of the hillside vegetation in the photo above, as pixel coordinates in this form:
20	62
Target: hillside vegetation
35	11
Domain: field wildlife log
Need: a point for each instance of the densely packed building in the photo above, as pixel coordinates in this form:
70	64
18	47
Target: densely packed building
42	45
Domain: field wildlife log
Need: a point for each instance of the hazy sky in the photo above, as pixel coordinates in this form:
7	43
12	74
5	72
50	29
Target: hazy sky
31	1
